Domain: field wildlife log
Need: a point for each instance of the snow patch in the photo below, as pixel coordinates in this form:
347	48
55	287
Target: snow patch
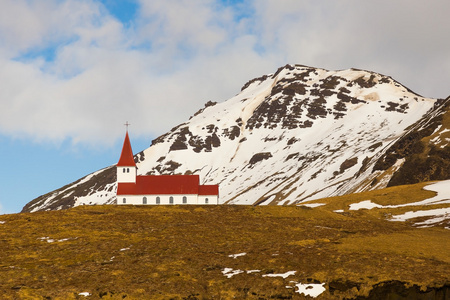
49	240
310	289
366	204
85	294
229	272
312	205
439	214
284	275
237	255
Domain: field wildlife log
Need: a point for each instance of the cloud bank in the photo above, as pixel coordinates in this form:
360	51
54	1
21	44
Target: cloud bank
70	69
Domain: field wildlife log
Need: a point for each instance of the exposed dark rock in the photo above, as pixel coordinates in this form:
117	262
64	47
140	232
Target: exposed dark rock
139	157
232	132
180	140
317	109
366	83
375	146
340	106
331	82
259	157
401	291
348	164
294	88
168	168
411	142
419	168
342	286
292	141
292	155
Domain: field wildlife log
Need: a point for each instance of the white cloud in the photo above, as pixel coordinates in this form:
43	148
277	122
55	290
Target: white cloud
176	55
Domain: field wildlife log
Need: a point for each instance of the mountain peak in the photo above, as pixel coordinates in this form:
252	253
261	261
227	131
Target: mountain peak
299	134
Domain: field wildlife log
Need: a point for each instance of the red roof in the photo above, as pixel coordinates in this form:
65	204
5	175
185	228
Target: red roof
167	185
208	190
126	157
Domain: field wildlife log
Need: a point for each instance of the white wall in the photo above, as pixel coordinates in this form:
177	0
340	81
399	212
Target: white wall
212	200
128	176
151	199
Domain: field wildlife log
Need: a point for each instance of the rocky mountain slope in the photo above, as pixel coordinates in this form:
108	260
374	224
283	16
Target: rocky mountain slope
299	134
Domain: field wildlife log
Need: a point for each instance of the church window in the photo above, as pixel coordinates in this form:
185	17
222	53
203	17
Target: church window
206	201
171	200
158	200
144	200
184	199
124	170
124	200
128	170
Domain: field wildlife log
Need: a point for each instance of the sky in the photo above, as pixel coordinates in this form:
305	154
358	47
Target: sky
72	72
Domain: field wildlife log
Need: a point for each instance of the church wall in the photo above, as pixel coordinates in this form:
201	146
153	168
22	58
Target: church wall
212	200
152	199
126	174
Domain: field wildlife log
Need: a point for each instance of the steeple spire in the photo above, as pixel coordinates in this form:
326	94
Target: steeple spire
126	157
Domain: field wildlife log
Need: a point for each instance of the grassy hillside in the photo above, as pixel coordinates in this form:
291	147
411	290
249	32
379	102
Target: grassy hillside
182	252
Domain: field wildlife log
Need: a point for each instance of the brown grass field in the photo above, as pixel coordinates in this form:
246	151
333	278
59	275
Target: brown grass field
179	252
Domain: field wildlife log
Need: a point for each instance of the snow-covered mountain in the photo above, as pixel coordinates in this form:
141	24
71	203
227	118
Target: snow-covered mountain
302	133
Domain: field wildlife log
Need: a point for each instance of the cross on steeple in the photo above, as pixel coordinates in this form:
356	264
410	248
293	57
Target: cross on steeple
127	124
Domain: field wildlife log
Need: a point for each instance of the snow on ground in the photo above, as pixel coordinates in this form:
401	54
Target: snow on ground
443	190
310	289
229	272
49	240
438	215
312	205
284	275
366	204
237	255
85	294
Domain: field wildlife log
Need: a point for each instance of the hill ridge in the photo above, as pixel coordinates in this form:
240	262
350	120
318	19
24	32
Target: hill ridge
295	135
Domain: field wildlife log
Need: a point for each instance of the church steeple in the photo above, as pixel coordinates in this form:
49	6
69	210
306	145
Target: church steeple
126	157
126	167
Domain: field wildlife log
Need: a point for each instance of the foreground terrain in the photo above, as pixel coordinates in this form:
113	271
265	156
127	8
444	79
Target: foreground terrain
223	252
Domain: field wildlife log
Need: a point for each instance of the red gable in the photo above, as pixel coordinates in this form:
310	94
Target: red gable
126	157
208	190
162	185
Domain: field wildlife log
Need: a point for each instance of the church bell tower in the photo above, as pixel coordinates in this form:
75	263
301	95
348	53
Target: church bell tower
126	167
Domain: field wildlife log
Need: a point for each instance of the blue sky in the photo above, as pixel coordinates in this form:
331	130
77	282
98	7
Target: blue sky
74	71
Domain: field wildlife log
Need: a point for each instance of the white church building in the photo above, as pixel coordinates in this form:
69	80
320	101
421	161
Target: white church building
159	189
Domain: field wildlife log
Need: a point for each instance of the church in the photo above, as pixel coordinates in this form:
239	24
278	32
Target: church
159	189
